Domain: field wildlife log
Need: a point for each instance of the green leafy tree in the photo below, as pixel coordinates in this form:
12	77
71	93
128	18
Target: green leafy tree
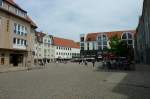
118	47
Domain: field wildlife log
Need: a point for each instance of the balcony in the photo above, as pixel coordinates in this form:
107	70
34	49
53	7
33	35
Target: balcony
22	47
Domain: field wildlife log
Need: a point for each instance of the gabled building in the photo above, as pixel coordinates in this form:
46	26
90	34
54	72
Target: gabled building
143	35
44	48
94	44
66	49
16	35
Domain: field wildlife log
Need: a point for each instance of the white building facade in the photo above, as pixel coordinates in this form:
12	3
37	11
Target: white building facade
65	49
44	49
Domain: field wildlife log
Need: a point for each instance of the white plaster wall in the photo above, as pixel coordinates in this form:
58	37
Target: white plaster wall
62	51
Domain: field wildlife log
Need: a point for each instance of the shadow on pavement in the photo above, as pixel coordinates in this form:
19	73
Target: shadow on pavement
134	85
130	84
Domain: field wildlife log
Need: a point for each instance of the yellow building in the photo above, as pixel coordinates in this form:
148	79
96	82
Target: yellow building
17	32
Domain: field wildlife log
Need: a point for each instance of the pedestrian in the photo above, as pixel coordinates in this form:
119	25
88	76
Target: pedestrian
85	62
82	62
93	62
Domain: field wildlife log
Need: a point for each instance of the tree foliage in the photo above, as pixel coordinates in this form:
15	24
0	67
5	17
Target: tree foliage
118	47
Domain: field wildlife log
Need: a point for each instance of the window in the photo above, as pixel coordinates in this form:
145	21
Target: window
22	30
25	42
48	41
16	11
124	36
102	41
93	46
128	38
18	41
99	47
18	29
15	28
26	31
87	46
130	42
22	42
82	39
82	46
14	40
45	40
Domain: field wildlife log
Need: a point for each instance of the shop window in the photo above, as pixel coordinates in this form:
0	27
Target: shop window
2	61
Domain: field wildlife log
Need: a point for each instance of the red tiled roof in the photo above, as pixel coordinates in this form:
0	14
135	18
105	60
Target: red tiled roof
65	42
93	36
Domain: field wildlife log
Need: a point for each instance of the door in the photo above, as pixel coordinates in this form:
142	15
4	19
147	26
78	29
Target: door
2	61
15	59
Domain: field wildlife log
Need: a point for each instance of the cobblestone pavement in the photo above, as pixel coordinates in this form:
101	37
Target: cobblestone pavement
74	81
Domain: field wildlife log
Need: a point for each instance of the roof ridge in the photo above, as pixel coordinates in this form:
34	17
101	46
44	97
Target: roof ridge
12	2
113	31
64	38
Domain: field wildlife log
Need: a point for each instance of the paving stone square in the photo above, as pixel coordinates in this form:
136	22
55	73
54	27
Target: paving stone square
74	81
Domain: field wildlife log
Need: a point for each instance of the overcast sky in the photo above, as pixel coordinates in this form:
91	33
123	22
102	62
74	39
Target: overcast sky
70	18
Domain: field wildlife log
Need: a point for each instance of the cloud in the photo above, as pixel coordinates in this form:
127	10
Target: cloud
69	18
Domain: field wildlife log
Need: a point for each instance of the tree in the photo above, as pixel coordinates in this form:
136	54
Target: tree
118	47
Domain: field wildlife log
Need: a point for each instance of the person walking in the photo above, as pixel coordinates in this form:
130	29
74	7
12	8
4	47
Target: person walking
93	62
85	63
